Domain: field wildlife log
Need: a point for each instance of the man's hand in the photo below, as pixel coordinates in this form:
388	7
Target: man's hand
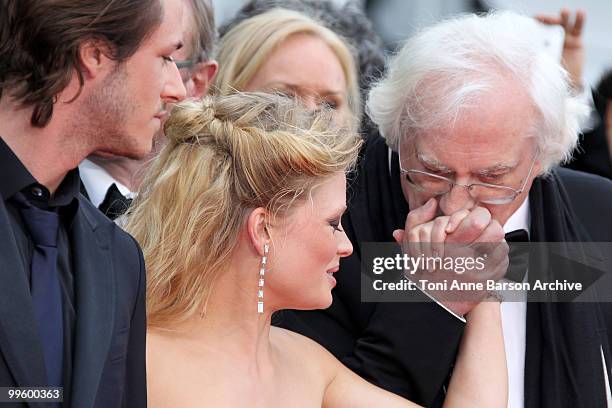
466	234
572	57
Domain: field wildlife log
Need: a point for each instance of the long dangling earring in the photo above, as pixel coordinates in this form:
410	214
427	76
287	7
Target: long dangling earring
262	272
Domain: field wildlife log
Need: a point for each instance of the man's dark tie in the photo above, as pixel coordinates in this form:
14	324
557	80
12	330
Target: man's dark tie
114	204
519	255
43	227
517	236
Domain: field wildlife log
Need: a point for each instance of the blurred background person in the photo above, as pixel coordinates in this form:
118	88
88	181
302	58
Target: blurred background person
239	218
593	154
288	52
349	21
110	181
397	20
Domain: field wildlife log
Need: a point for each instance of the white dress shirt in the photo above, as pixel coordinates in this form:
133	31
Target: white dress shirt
97	182
514	322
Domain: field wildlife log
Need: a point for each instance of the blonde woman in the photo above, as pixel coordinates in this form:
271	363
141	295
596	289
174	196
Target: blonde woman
285	51
239	218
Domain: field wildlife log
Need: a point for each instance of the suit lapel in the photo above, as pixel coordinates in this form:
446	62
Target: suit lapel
377	190
19	339
562	342
95	305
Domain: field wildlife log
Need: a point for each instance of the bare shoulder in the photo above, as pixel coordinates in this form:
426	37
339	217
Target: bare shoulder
163	357
174	372
159	370
339	385
306	352
160	347
155	343
297	341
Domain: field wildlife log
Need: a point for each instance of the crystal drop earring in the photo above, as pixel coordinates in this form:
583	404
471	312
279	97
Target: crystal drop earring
262	272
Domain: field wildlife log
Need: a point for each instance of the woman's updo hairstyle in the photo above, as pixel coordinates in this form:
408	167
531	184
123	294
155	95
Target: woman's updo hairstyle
225	155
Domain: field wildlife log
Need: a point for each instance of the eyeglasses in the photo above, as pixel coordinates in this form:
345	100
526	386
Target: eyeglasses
185	64
436	185
184	68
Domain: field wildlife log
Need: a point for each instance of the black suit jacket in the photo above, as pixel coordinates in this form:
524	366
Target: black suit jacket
109	339
409	348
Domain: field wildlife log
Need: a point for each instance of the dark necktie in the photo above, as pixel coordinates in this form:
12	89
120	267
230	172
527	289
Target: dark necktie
518	255
43	227
114	204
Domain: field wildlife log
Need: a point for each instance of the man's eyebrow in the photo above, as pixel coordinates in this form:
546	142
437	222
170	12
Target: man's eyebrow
432	163
498	168
438	166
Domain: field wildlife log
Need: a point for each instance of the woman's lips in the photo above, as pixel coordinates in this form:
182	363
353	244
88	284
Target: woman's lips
330	275
334	269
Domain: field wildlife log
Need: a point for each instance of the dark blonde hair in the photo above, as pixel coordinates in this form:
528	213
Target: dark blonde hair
244	48
225	155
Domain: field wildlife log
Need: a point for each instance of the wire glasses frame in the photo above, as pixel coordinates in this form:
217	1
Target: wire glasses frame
491	194
185	63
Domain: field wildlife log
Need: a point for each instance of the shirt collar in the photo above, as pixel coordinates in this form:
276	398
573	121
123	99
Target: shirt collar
15	177
21	179
519	219
97	181
68	190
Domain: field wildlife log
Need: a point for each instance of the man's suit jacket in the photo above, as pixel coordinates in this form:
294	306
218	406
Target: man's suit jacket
109	337
409	348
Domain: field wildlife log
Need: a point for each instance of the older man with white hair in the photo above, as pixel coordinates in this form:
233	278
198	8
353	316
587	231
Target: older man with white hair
474	122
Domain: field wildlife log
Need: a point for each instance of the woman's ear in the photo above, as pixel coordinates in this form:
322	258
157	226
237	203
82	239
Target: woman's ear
257	229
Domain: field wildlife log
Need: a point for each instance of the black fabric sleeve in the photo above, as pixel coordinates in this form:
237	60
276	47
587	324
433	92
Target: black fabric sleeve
135	394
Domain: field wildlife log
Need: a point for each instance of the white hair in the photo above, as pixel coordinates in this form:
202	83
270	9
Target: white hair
446	67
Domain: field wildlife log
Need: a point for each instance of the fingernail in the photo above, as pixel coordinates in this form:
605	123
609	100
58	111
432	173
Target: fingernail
430	202
449	228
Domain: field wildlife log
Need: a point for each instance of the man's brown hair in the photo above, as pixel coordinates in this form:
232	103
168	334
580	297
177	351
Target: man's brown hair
40	42
204	32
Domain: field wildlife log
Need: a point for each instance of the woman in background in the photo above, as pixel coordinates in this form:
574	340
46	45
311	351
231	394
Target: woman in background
285	51
238	218
349	21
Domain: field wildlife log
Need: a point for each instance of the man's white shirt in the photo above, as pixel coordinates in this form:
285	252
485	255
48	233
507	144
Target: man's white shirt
514	322
97	182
